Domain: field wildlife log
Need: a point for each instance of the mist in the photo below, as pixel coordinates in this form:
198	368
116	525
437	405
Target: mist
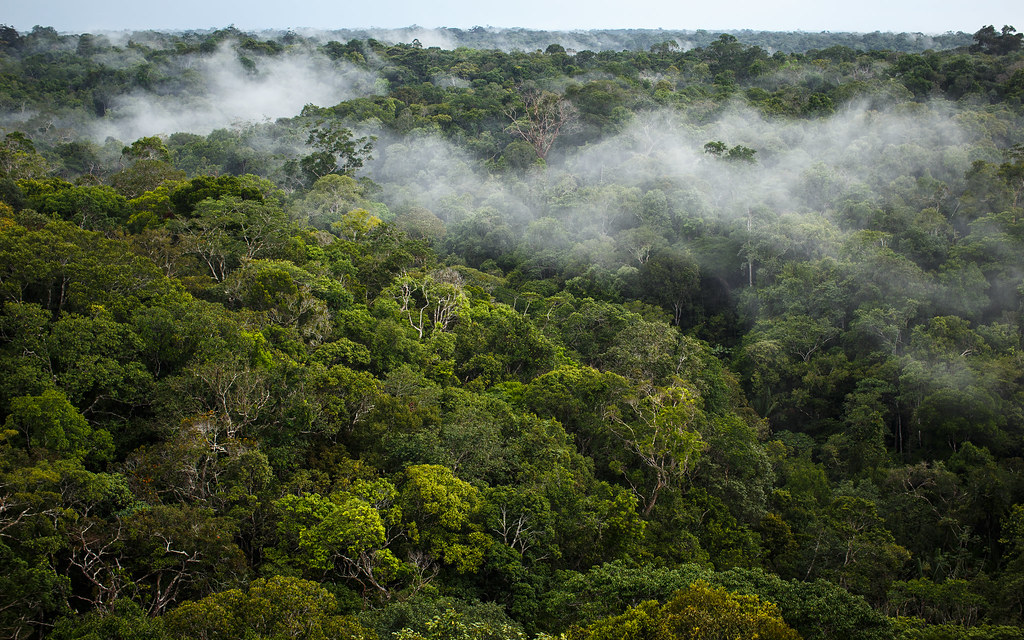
223	90
800	197
859	150
428	171
510	39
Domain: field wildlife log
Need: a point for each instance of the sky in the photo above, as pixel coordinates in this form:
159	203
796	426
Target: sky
925	16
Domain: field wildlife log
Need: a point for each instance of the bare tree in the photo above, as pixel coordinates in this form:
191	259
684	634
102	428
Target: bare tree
540	118
438	297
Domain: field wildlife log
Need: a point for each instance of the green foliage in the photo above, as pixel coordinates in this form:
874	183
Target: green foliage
442	513
737	153
987	40
495	344
427	615
125	621
336	152
451	626
343	536
49	422
548	368
270	608
97	208
913	629
699	611
19	159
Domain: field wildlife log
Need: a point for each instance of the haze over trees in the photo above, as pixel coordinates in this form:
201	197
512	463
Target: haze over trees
319	337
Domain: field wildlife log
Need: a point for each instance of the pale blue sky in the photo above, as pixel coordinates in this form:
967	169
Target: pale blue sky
927	16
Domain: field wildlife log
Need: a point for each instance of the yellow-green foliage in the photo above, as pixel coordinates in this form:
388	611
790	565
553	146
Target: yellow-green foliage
699	612
276	608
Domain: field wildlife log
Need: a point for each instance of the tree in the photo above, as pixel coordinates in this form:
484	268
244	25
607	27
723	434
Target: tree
228	230
987	40
95	360
48	422
1011	604
670	278
540	117
494	344
99	208
126	620
278	607
1012	171
343	535
145	175
427	615
233	389
330	198
182	551
187	196
432	302
645	352
951	601
336	152
606	590
148	148
853	548
280	290
663	432
737	153
699	612
160	555
19	159
442	512
32	591
24	361
452	625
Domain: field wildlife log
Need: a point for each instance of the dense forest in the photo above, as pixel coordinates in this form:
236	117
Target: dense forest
703	336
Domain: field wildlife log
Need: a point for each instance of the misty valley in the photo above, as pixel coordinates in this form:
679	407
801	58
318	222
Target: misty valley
501	334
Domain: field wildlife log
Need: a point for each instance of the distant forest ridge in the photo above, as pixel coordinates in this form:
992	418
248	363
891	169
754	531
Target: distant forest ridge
519	39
